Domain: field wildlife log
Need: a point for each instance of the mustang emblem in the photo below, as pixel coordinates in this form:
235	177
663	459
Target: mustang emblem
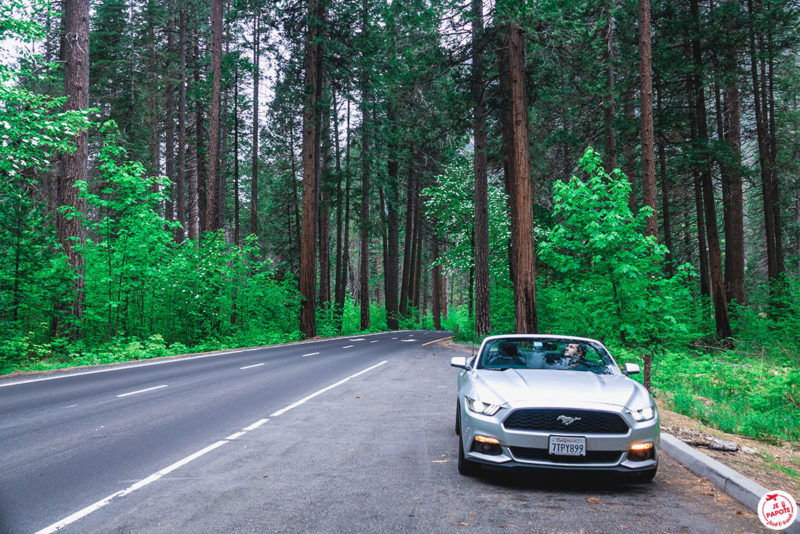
566	421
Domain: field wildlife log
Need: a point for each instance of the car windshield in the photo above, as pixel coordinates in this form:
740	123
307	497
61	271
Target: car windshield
554	354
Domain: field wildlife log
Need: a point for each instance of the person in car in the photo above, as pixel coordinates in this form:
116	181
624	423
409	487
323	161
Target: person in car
574	355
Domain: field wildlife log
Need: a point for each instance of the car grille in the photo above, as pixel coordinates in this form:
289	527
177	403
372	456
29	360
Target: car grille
592	457
547	420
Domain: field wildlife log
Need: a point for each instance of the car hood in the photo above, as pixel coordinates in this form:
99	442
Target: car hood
558	388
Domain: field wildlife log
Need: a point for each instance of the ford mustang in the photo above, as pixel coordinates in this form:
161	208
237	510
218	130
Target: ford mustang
553	402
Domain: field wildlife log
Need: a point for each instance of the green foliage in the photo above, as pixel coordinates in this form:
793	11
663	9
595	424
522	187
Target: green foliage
451	204
608	275
733	391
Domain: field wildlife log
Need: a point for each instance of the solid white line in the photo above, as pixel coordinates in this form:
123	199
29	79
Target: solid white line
142	483
180	463
310	354
348	347
141	391
323	390
251	366
255	425
175	359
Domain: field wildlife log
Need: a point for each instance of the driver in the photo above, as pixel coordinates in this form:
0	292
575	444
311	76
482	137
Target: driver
574	355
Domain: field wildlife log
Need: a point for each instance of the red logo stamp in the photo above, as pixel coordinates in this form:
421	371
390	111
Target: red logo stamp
777	510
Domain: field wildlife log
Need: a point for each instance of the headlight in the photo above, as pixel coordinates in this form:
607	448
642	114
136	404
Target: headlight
645	414
479	407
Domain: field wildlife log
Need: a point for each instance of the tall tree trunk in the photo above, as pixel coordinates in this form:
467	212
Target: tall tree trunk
169	124
75	51
308	266
436	284
408	241
522	230
197	199
732	188
646	108
483	316
665	211
365	184
608	107
323	227
180	212
213	209
392	224
345	273
236	155
718	297
256	84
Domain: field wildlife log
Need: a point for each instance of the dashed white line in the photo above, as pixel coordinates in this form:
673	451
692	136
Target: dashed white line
348	346
251	366
310	354
142	391
180	463
255	425
376	341
358	339
408	340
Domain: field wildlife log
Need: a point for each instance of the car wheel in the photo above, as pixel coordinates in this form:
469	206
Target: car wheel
645	477
458	418
465	467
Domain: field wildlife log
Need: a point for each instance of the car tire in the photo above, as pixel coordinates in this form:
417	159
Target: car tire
465	467
645	477
458	418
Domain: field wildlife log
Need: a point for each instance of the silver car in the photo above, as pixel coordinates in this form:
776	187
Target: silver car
553	402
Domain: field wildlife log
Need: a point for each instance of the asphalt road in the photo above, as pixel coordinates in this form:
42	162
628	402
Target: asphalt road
345	435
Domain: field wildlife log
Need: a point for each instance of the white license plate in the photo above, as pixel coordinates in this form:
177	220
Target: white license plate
567	446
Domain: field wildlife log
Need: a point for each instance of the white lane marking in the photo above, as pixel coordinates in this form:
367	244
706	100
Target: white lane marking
348	347
394	337
255	425
309	354
358	339
180	463
179	358
408	340
72	406
251	366
142	391
130	489
236	435
376	341
323	390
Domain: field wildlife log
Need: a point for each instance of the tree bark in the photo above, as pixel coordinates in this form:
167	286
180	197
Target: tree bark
308	271
169	124
646	109
256	84
522	230
483	316
436	285
72	236
718	297
392	231
732	188
608	107
180	211
213	210
408	241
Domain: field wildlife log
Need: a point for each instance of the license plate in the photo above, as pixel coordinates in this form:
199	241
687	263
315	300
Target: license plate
567	446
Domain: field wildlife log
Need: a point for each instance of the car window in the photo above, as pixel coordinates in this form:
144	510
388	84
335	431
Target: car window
555	355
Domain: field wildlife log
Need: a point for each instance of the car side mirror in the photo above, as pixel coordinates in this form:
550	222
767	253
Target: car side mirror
632	369
459	361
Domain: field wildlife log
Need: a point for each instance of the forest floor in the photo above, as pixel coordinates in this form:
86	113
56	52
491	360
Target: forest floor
776	467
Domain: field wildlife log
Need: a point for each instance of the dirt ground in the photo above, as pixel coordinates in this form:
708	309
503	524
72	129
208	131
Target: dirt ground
754	459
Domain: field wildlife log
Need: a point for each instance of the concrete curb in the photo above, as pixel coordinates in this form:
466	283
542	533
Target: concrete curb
731	482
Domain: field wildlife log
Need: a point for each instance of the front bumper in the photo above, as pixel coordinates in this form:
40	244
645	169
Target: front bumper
529	448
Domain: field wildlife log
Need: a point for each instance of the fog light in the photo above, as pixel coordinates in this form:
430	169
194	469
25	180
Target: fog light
640	452
487	445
